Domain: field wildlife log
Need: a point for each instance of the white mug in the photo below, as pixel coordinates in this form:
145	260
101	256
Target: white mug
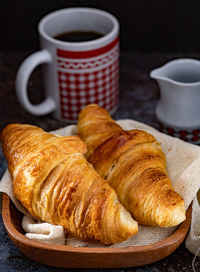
75	73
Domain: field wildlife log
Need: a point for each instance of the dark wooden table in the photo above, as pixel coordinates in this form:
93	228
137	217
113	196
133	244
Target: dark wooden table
138	98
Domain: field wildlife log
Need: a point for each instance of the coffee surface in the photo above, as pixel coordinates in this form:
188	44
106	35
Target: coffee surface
78	36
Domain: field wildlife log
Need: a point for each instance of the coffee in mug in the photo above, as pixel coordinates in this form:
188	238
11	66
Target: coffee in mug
78	36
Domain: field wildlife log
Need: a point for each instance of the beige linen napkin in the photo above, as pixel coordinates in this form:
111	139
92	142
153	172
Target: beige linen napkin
183	165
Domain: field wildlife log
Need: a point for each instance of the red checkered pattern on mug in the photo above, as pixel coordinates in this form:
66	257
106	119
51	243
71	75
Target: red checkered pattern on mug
84	82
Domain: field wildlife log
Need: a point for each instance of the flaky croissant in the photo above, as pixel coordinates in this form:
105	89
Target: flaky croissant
133	163
55	183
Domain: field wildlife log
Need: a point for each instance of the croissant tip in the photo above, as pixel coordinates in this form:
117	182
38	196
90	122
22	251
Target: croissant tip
177	216
127	223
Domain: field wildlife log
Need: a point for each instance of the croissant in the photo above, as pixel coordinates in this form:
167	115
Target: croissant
55	183
133	163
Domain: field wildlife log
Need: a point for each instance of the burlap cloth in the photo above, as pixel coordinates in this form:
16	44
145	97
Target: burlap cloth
183	165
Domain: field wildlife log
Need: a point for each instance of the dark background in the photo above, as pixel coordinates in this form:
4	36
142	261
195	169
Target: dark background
152	33
146	25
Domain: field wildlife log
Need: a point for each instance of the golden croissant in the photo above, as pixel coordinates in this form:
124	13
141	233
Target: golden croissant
56	184
133	163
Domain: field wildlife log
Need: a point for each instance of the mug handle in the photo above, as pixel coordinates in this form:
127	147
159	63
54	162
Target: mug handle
22	77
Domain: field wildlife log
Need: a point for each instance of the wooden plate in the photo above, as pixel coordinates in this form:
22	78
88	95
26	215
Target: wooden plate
85	257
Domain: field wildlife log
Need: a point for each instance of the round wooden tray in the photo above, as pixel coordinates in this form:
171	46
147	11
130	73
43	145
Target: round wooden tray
85	257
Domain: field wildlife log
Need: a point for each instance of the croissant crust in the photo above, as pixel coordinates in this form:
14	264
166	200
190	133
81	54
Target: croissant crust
133	163
55	183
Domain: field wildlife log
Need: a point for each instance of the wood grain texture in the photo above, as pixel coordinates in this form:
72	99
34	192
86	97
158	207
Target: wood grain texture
85	257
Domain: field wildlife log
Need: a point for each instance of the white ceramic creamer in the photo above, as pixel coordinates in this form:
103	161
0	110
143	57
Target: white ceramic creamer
178	109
